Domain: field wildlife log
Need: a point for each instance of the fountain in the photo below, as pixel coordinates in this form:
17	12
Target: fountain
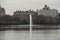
30	27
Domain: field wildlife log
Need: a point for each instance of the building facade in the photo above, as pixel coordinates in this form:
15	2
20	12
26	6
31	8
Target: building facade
46	11
2	11
24	15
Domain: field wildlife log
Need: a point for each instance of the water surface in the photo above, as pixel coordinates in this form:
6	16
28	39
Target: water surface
36	35
25	35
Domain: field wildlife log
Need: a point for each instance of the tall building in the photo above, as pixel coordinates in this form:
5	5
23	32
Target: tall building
2	11
46	11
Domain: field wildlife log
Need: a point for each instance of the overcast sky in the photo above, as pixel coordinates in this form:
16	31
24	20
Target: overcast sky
13	5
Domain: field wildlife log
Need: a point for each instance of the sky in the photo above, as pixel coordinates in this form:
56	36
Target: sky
13	5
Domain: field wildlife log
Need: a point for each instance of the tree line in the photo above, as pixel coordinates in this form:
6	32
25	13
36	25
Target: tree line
41	19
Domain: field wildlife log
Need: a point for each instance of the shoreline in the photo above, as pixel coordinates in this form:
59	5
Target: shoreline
29	24
26	27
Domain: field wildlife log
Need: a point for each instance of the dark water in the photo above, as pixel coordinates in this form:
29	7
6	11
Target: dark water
25	35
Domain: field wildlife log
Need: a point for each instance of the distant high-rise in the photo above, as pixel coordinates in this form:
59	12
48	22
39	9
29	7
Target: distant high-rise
2	11
46	11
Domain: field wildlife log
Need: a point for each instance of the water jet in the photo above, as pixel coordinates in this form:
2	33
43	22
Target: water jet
30	27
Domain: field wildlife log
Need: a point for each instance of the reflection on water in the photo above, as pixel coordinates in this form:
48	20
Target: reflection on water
24	35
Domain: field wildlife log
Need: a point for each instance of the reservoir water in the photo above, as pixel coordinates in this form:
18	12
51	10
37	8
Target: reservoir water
24	35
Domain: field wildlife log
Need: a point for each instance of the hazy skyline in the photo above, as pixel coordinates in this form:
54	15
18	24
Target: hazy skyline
13	5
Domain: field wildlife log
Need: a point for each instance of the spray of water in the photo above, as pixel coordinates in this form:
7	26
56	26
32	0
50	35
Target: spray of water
30	27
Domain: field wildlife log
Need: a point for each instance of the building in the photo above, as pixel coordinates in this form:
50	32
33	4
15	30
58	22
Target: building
24	15
2	11
46	11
